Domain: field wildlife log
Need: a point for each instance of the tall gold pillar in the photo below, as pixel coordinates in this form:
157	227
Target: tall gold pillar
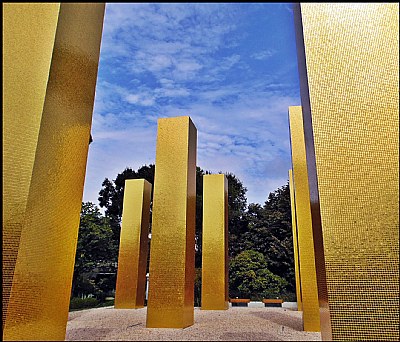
26	67
309	294
295	241
134	245
50	61
349	78
171	274
214	280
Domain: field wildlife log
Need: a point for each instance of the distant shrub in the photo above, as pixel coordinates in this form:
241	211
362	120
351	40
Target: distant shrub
82	303
107	303
197	287
249	277
289	297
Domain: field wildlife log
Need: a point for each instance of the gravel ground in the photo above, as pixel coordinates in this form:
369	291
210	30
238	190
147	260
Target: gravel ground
235	324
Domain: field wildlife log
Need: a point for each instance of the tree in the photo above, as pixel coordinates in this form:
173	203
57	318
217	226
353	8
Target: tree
269	231
95	246
249	277
264	229
237	203
111	196
112	193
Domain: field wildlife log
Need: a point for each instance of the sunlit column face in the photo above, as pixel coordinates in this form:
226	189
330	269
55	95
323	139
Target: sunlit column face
295	241
309	287
171	274
51	58
21	119
349	79
133	247
214	281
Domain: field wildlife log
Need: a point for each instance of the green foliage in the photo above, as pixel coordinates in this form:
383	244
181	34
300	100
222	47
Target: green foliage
269	231
82	303
254	228
106	303
95	248
249	277
111	196
197	287
112	193
94	238
237	203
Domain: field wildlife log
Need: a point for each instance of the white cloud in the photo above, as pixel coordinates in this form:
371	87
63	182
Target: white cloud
140	99
262	55
165	60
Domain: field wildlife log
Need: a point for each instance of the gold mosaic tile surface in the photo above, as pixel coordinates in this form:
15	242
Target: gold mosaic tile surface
295	242
309	289
352	102
59	107
21	119
134	245
214	280
171	274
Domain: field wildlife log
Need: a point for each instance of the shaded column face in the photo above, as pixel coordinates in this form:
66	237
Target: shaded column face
295	241
51	61
349	78
309	295
171	274
133	247
214	282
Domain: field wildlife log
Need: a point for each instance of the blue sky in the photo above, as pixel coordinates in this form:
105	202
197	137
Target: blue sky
232	67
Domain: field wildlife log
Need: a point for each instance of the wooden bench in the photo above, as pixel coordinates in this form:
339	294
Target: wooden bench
272	302
239	301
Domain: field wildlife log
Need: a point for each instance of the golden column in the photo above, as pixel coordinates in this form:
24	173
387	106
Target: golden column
50	61
134	245
171	274
348	58
214	283
21	119
309	294
295	241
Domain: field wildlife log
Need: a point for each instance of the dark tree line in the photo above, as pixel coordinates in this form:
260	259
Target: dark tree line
255	232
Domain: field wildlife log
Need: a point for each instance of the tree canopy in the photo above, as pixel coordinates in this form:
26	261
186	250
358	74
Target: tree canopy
94	249
260	237
249	277
112	194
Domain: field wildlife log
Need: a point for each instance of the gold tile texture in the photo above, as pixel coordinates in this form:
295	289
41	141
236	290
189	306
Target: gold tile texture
349	75
309	289
41	286
24	90
171	274
134	245
214	280
295	242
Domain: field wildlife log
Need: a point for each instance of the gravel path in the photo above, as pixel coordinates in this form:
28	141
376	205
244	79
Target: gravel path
235	324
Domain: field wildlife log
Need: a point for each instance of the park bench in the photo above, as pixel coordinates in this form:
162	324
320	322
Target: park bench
239	301
272	302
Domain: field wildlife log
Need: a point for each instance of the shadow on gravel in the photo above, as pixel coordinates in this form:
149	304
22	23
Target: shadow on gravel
87	334
248	336
295	323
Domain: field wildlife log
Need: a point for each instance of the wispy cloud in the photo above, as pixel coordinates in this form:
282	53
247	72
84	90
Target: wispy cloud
262	55
229	66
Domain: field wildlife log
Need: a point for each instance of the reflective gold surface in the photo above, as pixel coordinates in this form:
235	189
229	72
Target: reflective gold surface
171	275
349	75
24	90
295	242
134	245
214	280
59	108
309	290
